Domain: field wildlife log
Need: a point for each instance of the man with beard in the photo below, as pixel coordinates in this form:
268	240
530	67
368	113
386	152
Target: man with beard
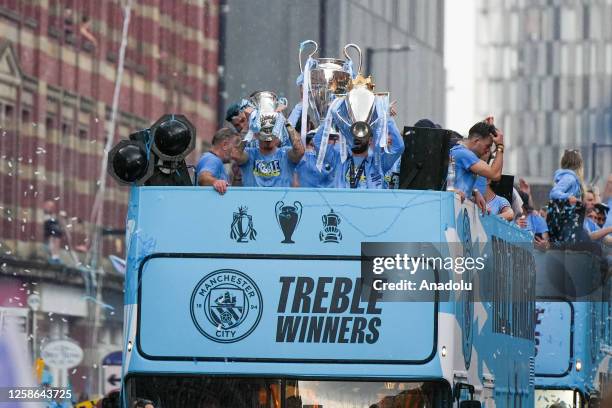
360	169
268	165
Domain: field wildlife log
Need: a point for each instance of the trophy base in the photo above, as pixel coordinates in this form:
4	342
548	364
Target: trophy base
287	241
331	238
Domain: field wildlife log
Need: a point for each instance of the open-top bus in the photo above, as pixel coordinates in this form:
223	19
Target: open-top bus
573	332
256	298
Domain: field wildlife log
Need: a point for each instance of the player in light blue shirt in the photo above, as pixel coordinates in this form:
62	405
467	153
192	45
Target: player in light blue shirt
307	173
210	170
269	165
468	166
360	169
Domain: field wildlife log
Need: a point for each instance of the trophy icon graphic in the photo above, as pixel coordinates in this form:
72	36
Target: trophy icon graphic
242	226
331	232
288	217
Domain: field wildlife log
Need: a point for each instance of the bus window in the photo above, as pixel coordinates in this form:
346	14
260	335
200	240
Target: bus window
366	394
224	392
558	399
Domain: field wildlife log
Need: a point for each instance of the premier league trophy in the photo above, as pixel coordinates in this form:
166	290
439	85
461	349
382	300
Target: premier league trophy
326	78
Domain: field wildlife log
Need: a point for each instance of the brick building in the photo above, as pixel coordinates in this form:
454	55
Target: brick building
57	71
58	63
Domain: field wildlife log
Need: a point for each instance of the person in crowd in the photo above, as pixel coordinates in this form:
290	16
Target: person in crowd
360	169
543	211
238	115
210	170
497	205
468	165
517	203
601	214
595	232
525	188
590	198
53	231
533	222
565	209
269	165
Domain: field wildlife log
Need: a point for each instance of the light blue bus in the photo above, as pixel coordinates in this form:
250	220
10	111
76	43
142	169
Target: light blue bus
256	299
573	331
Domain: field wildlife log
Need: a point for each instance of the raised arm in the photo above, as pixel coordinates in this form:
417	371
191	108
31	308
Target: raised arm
494	171
297	148
396	147
238	153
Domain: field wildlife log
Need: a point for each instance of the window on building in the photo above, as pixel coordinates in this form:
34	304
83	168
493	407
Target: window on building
65	130
25	117
83	134
7	120
49	123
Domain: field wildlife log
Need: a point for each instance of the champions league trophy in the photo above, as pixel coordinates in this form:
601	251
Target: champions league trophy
325	79
288	217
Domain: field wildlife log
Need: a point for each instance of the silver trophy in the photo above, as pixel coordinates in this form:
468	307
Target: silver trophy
360	101
266	103
328	78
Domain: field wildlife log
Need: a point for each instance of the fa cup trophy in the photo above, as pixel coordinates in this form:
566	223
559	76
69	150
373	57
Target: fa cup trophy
266	103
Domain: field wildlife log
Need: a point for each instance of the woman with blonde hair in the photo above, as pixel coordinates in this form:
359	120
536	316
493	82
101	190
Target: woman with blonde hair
565	210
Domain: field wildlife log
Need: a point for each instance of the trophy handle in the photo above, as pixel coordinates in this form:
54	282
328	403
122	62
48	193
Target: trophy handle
302	46
298	206
277	207
355	46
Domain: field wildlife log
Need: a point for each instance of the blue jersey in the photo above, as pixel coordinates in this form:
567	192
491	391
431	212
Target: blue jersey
481	184
392	176
366	174
310	176
273	170
464	159
536	224
590	225
211	163
497	205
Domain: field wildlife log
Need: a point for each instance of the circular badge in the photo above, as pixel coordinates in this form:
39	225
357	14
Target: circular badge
226	306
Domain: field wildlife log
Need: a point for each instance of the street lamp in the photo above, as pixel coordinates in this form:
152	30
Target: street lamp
370	51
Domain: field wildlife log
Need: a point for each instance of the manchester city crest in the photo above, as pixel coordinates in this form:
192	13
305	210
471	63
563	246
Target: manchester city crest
226	306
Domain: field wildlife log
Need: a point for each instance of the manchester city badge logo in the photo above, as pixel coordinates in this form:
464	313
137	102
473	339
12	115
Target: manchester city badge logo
226	306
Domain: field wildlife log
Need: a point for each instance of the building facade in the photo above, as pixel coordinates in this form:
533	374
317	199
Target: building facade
545	71
58	65
260	42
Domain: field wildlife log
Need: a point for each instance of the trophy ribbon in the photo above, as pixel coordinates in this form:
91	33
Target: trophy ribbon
310	62
254	126
326	129
382	107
